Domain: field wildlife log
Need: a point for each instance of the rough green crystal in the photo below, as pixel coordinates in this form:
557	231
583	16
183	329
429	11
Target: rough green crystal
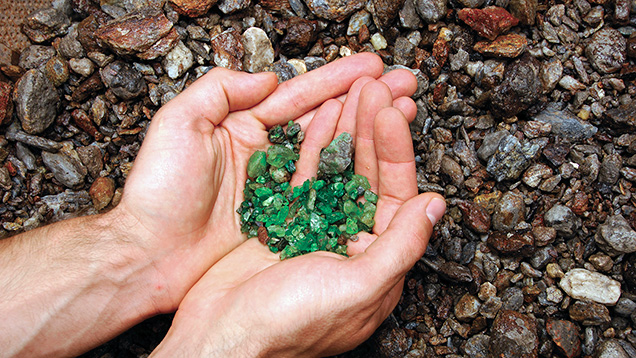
337	157
257	164
316	215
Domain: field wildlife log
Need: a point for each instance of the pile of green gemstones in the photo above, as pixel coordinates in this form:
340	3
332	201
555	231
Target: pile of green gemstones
322	214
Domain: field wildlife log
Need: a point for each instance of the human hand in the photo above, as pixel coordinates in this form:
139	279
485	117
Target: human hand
181	195
252	304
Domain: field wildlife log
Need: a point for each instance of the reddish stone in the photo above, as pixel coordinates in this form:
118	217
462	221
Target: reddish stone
193	8
81	119
489	22
102	192
363	34
475	216
385	11
511	243
514	334
440	51
135	32
300	35
88	87
161	47
439	92
6	104
511	45
228	50
565	335
86	32
580	203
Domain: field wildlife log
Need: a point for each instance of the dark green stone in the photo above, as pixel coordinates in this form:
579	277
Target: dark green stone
257	164
276	134
337	157
278	155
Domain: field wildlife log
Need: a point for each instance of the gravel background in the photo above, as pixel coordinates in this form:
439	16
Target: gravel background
525	124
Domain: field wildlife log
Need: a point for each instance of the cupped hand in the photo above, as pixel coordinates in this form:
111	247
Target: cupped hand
187	181
252	304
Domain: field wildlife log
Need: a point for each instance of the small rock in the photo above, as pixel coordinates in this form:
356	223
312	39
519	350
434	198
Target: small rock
431	11
616	236
336	10
452	170
123	79
554	270
102	191
161	47
563	220
88	87
467	308
487	290
520	88
193	8
357	20
511	46
550	74
228	50
509	212
56	69
589	313
625	307
543	235
178	61
533	176
514	334
610	169
69	47
403	52
259	52
35	55
408	17
582	284
489	22
610	348
36	101
283	70
490	144
82	66
5	179
565	335
565	124
625	114
475	216
511	243
524	10
456	272
337	157
601	262
606	50
511	158
6	104
45	24
65	166
477	346
230	6
91	157
571	84
491	307
135	32
385	11
300	35
378	41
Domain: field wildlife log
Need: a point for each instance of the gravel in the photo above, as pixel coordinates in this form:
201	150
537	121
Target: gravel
525	123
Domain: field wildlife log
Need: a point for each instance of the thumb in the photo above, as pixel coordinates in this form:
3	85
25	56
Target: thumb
219	92
404	241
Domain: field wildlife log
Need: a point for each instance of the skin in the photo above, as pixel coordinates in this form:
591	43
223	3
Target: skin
91	278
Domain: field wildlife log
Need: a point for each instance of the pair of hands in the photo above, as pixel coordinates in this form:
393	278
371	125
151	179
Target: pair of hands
234	297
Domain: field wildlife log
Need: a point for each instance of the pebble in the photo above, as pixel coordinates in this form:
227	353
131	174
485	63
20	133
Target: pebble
582	284
453	170
385	11
123	79
135	32
490	144
299	36
625	307
511	158
357	20
475	216
563	220
488	22
491	307
509	212
589	313
65	166
565	336
160	48
550	74
88	87
231	6
624	114
178	61
44	24
520	88
571	84
56	69
514	334
69	47
565	124
524	10
533	176
82	66
26	156
336	10
5	179
34	56
486	291
36	101
615	236
610	348
431	11
378	41
467	308
192	8
228	50
606	50
510	45
91	157
6	102
477	346
101	192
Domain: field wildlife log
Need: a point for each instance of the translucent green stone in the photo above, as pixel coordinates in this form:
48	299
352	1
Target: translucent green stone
278	155
371	197
257	164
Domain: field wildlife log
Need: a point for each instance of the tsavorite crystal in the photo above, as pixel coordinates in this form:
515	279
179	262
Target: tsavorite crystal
316	215
257	164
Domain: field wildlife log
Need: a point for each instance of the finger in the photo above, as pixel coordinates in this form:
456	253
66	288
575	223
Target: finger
402	82
347	121
407	107
404	241
374	97
318	135
303	93
219	92
396	165
364	240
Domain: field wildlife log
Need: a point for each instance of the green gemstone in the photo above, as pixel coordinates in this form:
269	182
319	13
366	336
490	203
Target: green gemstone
257	164
278	155
276	134
370	197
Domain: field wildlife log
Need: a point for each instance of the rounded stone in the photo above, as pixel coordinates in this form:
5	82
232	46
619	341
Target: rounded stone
606	50
36	101
586	285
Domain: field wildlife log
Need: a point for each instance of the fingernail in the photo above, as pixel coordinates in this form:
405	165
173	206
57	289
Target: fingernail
435	210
